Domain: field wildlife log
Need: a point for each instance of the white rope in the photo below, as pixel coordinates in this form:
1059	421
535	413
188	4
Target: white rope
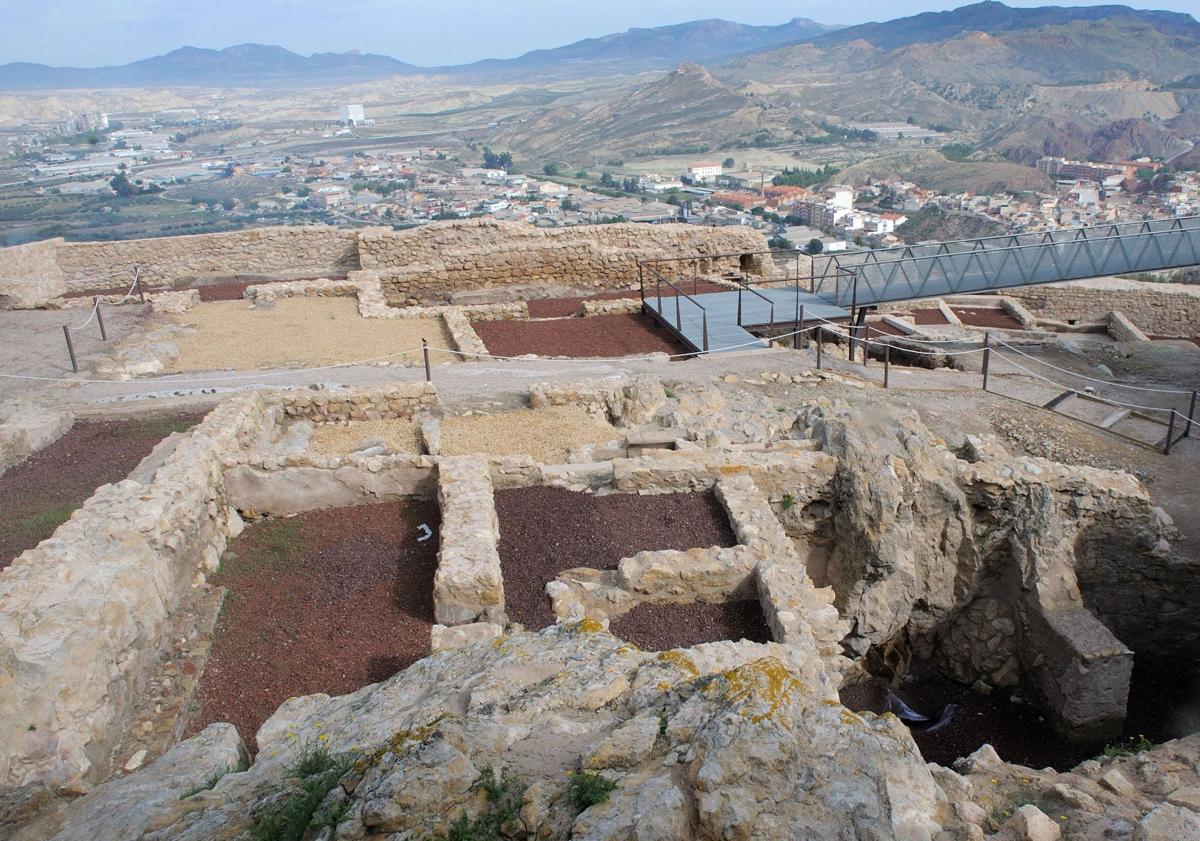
1093	379
91	315
129	294
1091	396
239	377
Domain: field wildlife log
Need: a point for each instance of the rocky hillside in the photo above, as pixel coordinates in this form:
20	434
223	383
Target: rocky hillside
930	168
933	223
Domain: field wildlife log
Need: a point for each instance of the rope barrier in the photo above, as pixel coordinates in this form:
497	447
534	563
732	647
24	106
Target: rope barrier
1091	379
91	315
239	377
1092	396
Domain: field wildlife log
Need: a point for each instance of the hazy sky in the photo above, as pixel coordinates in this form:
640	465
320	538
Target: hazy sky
425	32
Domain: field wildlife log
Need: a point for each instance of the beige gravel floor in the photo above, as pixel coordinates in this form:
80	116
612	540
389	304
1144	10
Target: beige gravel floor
335	439
544	434
299	332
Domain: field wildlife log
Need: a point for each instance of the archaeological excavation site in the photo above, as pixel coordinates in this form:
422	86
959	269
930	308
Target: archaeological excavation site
484	531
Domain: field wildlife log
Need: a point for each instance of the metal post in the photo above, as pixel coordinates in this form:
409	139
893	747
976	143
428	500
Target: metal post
642	283
1170	434
865	342
71	349
137	280
987	358
820	341
799	326
425	353
704	320
739	319
658	290
1187	431
100	319
678	317
887	362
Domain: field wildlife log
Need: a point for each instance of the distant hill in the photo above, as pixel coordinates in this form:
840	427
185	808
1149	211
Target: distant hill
995	18
262	65
701	41
246	64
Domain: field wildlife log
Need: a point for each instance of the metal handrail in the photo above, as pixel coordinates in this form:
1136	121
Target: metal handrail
659	279
744	284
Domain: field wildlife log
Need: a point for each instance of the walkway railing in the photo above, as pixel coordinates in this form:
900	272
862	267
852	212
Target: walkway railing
659	280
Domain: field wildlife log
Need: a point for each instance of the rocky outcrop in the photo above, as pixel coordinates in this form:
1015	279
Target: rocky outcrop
25	429
974	563
725	741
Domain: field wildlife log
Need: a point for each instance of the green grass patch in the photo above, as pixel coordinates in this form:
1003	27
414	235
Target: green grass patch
498	821
588	789
1128	747
295	807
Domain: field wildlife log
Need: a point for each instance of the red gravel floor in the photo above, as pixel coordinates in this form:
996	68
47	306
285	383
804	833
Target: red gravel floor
930	316
327	601
601	335
544	531
661	627
230	290
42	492
882	328
564	307
987	317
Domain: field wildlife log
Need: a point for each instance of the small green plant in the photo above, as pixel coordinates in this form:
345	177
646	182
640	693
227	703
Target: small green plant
662	722
32	728
210	782
1128	747
788	502
496	823
588	789
295	808
669	392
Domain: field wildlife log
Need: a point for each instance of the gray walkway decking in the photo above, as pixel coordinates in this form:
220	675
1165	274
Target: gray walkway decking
685	316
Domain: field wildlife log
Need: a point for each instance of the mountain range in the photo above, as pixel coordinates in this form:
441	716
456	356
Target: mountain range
264	65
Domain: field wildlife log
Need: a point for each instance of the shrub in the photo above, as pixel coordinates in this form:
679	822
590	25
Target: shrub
788	502
588	789
1128	747
314	774
496	823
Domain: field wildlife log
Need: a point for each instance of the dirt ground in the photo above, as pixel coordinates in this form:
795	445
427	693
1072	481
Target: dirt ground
295	332
42	492
544	531
545	434
595	336
328	601
333	439
661	627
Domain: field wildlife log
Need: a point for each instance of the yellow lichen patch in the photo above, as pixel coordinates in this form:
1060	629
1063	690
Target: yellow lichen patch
850	718
399	741
680	660
663	686
588	626
766	682
628	648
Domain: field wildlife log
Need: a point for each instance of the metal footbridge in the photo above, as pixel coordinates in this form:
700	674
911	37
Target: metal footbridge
845	286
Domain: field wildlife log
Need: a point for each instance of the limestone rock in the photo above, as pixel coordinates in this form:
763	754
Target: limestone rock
1029	823
1168	823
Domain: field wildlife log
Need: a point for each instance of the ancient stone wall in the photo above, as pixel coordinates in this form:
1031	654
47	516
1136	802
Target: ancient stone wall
1161	309
164	260
85	613
400	401
429	262
30	274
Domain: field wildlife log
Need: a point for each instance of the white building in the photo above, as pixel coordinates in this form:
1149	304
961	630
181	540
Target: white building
354	115
703	173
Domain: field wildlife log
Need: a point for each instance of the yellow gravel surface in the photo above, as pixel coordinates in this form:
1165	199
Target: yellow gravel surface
545	434
299	333
335	439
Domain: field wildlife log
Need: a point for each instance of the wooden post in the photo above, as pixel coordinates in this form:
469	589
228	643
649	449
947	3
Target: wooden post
1170	434
137	280
819	343
1187	432
100	319
987	358
799	327
425	353
70	349
704	318
865	341
887	362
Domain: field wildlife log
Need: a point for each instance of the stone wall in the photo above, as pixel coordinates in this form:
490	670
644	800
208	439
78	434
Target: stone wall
30	274
400	401
468	585
85	613
25	429
1161	309
429	262
164	260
